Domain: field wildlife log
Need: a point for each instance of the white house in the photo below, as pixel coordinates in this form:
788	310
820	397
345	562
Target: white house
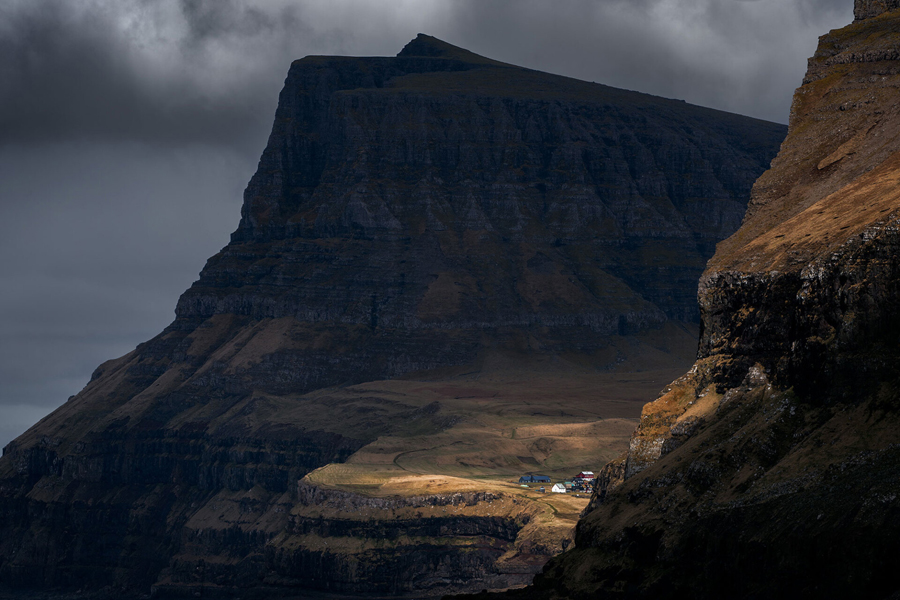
558	488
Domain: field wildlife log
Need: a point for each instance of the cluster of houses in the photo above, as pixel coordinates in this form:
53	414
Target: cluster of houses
583	482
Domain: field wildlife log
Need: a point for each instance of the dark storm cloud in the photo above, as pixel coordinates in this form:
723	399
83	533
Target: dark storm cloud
166	71
177	70
132	70
128	129
744	56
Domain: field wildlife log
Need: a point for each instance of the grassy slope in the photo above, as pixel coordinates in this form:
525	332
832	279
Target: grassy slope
509	415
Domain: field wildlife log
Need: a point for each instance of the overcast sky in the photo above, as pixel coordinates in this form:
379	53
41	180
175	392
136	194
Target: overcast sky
129	128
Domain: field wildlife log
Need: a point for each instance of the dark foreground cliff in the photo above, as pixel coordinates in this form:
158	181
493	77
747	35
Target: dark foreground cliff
425	213
772	468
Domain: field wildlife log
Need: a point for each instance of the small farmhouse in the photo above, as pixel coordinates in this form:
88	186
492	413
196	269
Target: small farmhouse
585	475
534	479
558	488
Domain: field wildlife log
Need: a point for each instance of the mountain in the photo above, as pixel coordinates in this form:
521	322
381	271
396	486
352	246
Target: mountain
772	468
494	247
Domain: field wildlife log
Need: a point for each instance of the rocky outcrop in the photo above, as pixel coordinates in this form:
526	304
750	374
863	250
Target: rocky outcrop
772	468
866	9
431	544
408	214
346	543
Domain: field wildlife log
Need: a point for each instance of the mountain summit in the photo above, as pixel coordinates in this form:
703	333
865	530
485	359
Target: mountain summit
417	216
426	45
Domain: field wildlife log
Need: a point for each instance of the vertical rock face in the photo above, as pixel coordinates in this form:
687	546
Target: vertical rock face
438	199
408	213
772	468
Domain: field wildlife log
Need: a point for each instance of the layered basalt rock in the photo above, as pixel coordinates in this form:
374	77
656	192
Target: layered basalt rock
772	468
441	543
408	214
345	543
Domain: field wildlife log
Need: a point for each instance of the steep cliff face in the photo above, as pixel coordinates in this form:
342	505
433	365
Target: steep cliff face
426	205
408	214
772	468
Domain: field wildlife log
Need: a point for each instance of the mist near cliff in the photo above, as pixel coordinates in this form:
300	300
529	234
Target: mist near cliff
129	128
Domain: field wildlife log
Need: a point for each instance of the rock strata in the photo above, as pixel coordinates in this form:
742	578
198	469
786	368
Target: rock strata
346	543
408	214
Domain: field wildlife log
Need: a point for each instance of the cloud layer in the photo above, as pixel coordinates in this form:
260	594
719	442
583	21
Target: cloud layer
128	129
187	70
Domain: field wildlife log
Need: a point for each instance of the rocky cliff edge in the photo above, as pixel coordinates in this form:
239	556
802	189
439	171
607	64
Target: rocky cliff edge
772	468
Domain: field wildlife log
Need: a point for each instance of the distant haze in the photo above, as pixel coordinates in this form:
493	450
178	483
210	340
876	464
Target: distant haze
128	129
